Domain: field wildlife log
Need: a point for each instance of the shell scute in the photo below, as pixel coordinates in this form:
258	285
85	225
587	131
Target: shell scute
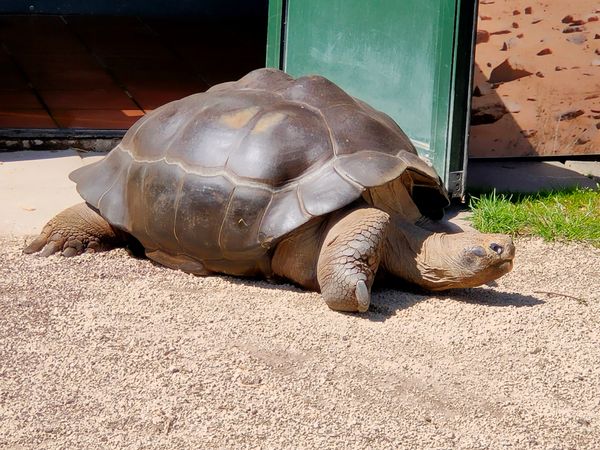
323	192
240	228
200	213
134	202
95	180
367	168
318	92
161	189
214	128
283	215
354	130
150	137
279	148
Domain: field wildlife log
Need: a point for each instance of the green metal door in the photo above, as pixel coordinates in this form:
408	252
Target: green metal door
411	59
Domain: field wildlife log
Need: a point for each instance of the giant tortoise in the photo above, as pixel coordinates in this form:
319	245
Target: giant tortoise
277	177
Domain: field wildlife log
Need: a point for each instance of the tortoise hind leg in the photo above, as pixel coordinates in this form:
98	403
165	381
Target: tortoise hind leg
76	230
350	258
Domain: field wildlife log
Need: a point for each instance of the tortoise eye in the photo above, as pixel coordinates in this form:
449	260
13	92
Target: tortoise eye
497	248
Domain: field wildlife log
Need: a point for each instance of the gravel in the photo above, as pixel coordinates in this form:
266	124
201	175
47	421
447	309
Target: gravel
109	351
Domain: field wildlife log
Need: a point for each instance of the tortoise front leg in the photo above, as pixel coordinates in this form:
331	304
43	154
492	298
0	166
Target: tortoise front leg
76	230
350	257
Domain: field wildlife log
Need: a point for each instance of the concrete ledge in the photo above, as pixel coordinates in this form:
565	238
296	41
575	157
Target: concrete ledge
35	185
530	176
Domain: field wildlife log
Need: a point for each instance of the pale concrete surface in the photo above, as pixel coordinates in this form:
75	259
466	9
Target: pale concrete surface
587	168
35	185
530	176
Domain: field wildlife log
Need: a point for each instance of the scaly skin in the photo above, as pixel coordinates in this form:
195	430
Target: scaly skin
350	258
76	230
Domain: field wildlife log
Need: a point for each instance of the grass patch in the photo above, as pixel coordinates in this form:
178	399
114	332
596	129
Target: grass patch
566	215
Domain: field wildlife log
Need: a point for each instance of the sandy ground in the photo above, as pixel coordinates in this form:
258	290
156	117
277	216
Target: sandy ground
546	98
109	351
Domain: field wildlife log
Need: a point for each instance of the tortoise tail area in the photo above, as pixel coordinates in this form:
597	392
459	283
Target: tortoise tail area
102	184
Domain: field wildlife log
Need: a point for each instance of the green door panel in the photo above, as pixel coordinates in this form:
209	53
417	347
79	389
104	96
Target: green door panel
399	56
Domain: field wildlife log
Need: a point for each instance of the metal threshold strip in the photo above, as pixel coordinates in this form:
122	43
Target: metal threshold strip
12	139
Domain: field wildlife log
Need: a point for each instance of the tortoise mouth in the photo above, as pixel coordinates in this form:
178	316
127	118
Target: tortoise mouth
506	265
501	268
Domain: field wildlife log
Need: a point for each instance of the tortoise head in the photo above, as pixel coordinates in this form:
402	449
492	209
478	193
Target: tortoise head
439	261
472	259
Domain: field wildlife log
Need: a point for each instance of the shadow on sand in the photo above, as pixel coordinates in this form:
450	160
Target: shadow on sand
387	302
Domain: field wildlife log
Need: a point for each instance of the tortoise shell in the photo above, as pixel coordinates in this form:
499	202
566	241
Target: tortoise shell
227	173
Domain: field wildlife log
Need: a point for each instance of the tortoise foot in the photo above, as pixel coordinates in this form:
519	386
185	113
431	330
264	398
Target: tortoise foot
78	229
350	258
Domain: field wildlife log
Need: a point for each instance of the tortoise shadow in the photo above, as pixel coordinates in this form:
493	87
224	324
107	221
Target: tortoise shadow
386	303
137	251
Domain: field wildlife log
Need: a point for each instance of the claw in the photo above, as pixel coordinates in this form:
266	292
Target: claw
69	251
51	248
36	245
363	297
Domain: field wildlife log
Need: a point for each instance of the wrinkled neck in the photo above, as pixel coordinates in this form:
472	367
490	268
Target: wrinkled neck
419	256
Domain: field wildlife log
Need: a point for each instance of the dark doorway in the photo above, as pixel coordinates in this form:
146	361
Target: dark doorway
97	68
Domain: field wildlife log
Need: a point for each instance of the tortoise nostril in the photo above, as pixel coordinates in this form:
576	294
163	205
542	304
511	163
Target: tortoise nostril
496	248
